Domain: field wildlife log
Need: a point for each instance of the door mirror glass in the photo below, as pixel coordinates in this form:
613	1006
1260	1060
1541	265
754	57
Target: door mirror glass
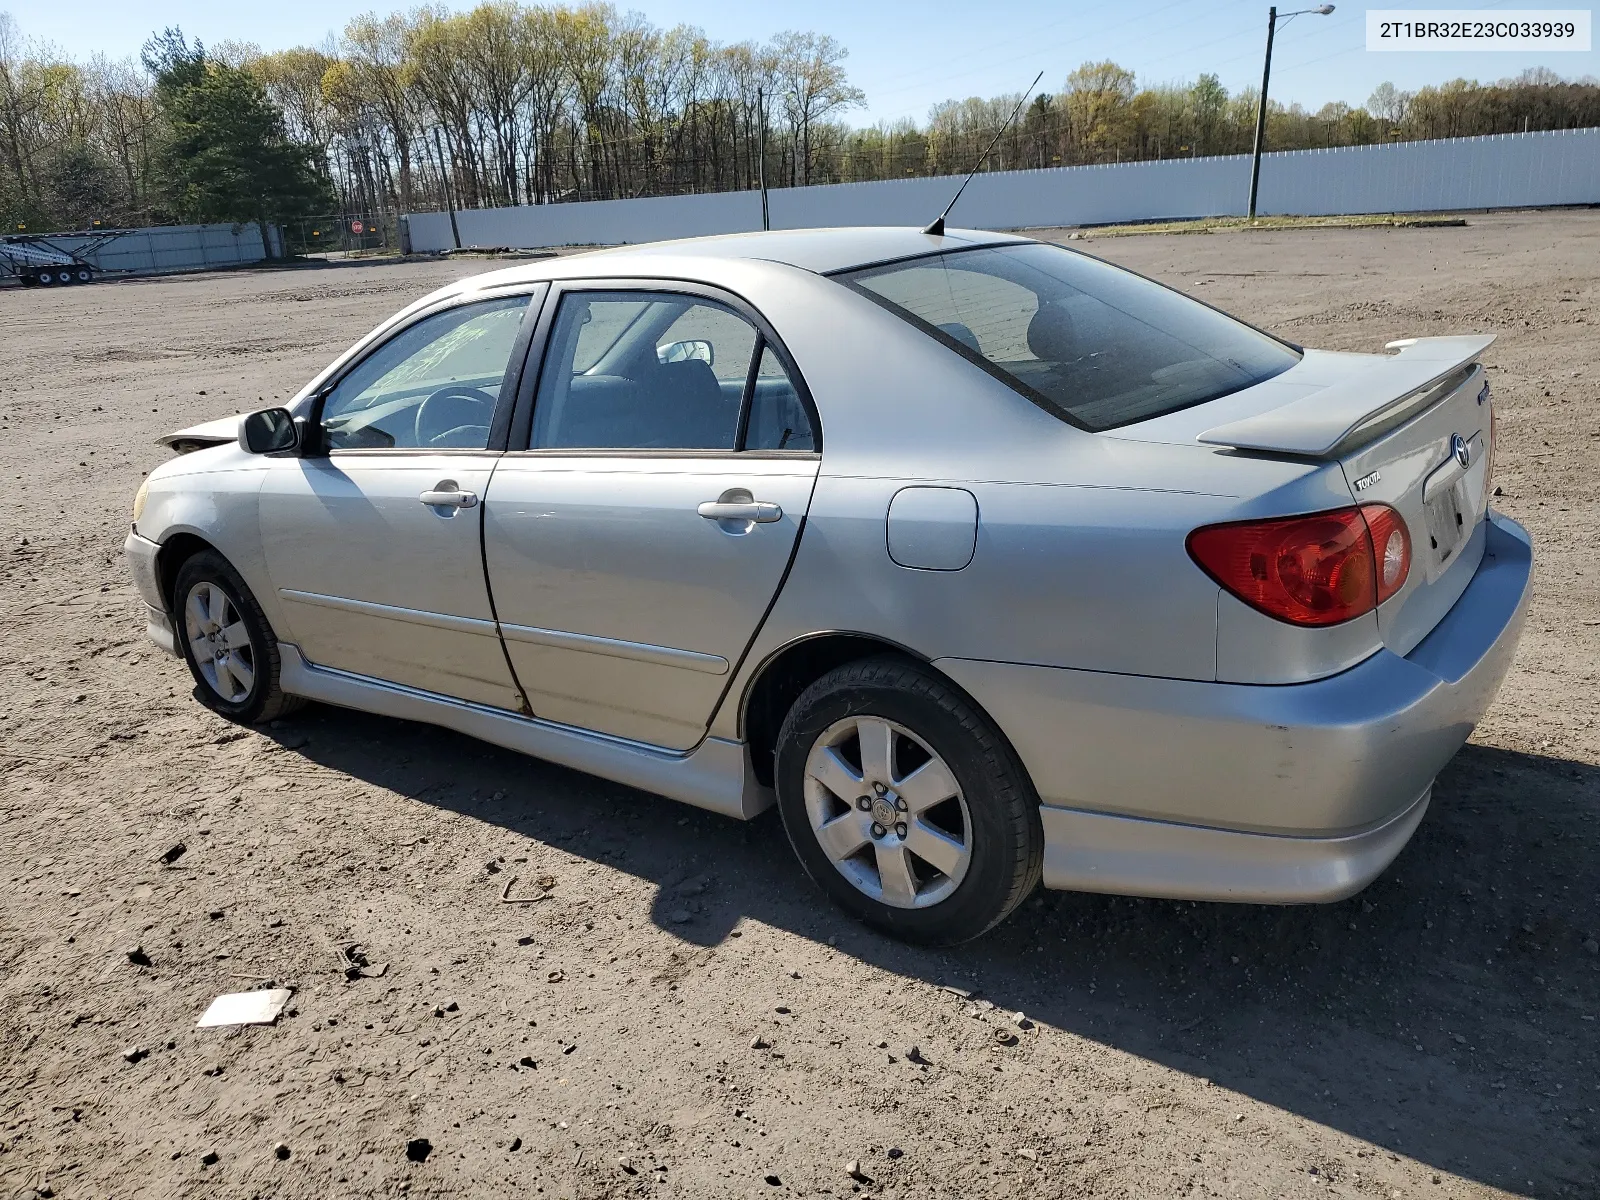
268	432
697	349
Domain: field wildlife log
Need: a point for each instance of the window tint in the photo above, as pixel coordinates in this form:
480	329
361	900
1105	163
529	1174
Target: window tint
1087	340
433	386
663	372
778	419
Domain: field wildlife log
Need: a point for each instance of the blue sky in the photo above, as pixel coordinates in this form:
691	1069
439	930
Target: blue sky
908	56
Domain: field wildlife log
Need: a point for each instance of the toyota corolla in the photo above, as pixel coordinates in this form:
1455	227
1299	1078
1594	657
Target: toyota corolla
985	560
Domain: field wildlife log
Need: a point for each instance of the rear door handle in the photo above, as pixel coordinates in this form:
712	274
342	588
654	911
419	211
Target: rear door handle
447	495
763	512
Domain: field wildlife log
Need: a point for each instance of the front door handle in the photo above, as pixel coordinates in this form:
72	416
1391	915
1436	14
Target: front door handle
445	494
763	512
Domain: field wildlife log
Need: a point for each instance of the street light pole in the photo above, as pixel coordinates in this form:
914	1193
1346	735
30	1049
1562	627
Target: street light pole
1261	113
444	186
1321	10
761	153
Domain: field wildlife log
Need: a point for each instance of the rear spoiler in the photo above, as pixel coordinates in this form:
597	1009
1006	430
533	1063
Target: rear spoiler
1330	419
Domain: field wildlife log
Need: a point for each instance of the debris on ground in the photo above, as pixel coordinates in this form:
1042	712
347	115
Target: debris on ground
173	853
353	961
134	1053
137	956
418	1149
245	1008
281	1150
544	883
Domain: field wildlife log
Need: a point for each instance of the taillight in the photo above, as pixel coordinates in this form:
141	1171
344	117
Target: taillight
1318	569
1391	548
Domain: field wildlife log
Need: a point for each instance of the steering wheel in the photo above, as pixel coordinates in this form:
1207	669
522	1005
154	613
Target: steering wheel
453	410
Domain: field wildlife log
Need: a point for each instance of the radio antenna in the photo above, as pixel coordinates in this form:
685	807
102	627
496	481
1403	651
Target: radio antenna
937	227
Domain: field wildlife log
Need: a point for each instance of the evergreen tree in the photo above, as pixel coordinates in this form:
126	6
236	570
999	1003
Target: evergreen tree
224	153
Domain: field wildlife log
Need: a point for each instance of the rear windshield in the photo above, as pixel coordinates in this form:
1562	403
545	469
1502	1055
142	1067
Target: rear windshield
1090	342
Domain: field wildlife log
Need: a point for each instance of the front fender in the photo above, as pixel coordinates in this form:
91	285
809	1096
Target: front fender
214	498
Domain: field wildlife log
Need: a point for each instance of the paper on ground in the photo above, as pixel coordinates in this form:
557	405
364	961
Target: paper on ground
246	1008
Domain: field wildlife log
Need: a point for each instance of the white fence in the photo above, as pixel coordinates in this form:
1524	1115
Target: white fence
178	248
1505	171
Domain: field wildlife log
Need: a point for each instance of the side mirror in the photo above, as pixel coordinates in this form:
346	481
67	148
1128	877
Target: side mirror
694	348
268	432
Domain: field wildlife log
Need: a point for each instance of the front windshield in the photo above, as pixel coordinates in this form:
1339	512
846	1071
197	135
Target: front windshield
1093	343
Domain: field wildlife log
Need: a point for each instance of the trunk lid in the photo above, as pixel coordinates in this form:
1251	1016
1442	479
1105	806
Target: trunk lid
1412	430
1433	469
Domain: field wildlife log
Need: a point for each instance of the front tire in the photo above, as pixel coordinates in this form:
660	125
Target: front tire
905	803
231	650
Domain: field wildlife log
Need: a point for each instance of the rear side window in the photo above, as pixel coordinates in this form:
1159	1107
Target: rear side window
1092	343
778	419
662	371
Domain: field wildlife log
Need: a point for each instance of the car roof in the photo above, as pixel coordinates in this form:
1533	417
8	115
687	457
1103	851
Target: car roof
822	251
819	250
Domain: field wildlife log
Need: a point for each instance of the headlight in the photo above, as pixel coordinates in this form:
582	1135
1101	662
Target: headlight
139	499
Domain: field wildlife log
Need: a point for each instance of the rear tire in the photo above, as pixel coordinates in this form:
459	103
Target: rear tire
942	839
226	640
47	278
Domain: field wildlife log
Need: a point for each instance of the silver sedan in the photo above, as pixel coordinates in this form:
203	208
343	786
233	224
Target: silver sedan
984	560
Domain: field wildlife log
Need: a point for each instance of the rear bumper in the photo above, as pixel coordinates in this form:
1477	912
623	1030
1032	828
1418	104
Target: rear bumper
141	554
1285	794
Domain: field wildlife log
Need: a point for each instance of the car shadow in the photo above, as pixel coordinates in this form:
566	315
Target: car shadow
1448	1013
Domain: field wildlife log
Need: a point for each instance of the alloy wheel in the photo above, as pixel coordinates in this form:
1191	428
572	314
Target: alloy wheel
888	812
219	642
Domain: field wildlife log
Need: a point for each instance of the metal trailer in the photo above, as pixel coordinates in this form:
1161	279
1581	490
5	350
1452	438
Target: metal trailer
36	261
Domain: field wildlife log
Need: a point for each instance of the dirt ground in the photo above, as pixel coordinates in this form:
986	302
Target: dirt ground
1434	1036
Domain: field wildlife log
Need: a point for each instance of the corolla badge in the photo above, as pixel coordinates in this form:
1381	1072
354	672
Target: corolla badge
1462	451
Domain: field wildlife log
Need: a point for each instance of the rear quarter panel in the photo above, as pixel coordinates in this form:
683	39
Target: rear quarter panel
1080	556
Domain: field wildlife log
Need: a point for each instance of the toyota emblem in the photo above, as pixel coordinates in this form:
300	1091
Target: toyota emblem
1462	451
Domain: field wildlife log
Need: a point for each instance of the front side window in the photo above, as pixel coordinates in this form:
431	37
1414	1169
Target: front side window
651	371
432	386
1093	343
